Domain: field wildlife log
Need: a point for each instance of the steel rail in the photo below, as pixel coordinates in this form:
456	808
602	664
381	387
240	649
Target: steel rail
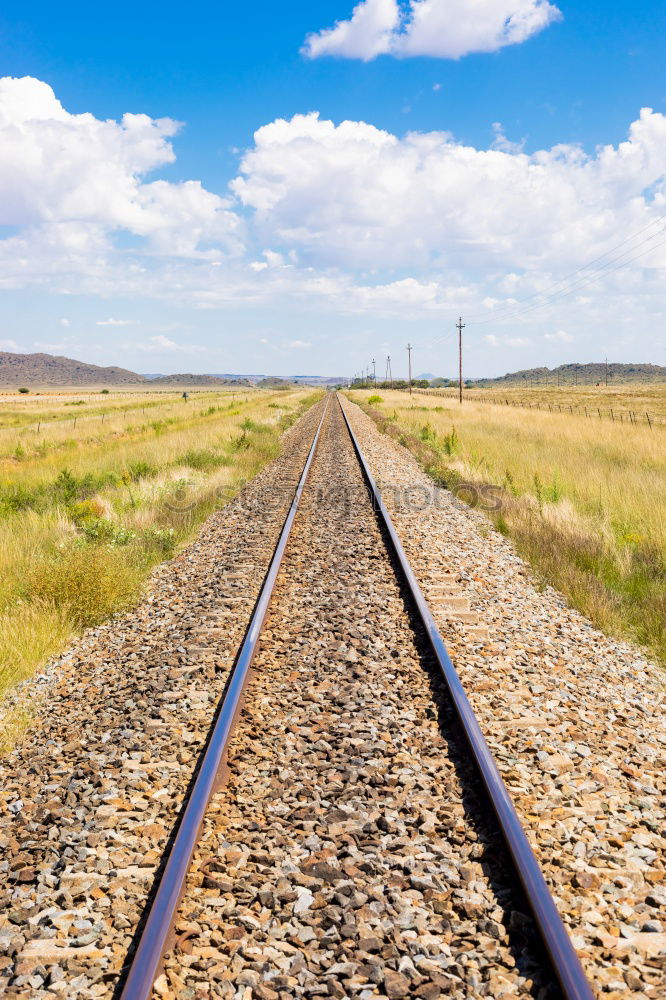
154	939
559	948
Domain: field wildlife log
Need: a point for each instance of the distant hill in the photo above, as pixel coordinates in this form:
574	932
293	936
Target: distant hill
583	374
47	369
190	379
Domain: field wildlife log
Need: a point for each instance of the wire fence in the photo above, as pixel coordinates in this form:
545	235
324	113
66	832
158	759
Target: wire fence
620	416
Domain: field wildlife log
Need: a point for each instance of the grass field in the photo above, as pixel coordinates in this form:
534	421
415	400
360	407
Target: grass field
87	511
583	500
636	397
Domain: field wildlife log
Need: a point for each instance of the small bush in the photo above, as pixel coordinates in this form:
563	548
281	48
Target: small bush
451	442
89	583
204	459
427	434
159	541
24	390
375	399
104	392
141	470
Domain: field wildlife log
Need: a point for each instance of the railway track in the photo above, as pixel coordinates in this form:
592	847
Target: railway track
363	843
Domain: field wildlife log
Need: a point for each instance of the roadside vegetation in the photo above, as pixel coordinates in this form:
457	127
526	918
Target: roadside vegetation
86	512
582	500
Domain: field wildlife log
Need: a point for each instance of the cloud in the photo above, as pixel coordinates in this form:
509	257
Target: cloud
161	343
114	322
64	322
501	142
445	29
356	196
339	216
560	335
496	341
8	345
75	180
299	343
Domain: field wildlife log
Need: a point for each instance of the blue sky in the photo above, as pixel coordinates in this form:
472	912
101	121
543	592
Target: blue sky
308	262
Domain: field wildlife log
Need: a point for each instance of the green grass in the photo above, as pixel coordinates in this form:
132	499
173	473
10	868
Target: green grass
79	534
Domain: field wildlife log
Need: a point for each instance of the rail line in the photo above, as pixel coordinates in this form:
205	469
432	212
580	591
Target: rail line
158	931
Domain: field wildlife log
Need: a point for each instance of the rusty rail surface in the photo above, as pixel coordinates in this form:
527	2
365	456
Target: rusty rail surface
559	948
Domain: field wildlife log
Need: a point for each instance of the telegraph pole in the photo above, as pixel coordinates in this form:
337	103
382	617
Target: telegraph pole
409	355
460	327
389	373
374	373
606	372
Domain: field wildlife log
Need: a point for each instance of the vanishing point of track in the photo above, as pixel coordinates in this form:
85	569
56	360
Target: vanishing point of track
157	935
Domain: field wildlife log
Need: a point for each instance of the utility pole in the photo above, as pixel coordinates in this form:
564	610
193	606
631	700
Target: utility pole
606	372
374	373
409	355
389	373
460	326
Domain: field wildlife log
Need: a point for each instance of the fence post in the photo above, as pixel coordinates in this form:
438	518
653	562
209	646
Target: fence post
612	417
647	415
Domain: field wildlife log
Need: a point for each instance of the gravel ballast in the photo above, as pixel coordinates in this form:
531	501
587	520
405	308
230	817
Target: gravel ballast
576	721
91	795
344	858
350	853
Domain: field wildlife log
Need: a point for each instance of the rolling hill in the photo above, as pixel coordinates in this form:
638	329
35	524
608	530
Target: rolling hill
583	374
47	369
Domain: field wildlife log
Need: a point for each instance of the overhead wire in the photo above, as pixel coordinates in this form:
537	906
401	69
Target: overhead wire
579	278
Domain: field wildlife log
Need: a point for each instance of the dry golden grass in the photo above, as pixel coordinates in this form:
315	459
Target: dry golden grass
583	500
637	398
83	521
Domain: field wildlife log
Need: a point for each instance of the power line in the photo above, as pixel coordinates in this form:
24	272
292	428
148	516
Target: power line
516	310
576	286
567	278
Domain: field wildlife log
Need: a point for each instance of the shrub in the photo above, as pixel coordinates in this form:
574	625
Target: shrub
104	392
451	442
24	390
204	458
141	470
375	399
88	582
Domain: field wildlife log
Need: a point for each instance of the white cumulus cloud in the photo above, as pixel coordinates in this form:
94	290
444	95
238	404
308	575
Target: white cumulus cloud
114	322
352	195
446	29
72	180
